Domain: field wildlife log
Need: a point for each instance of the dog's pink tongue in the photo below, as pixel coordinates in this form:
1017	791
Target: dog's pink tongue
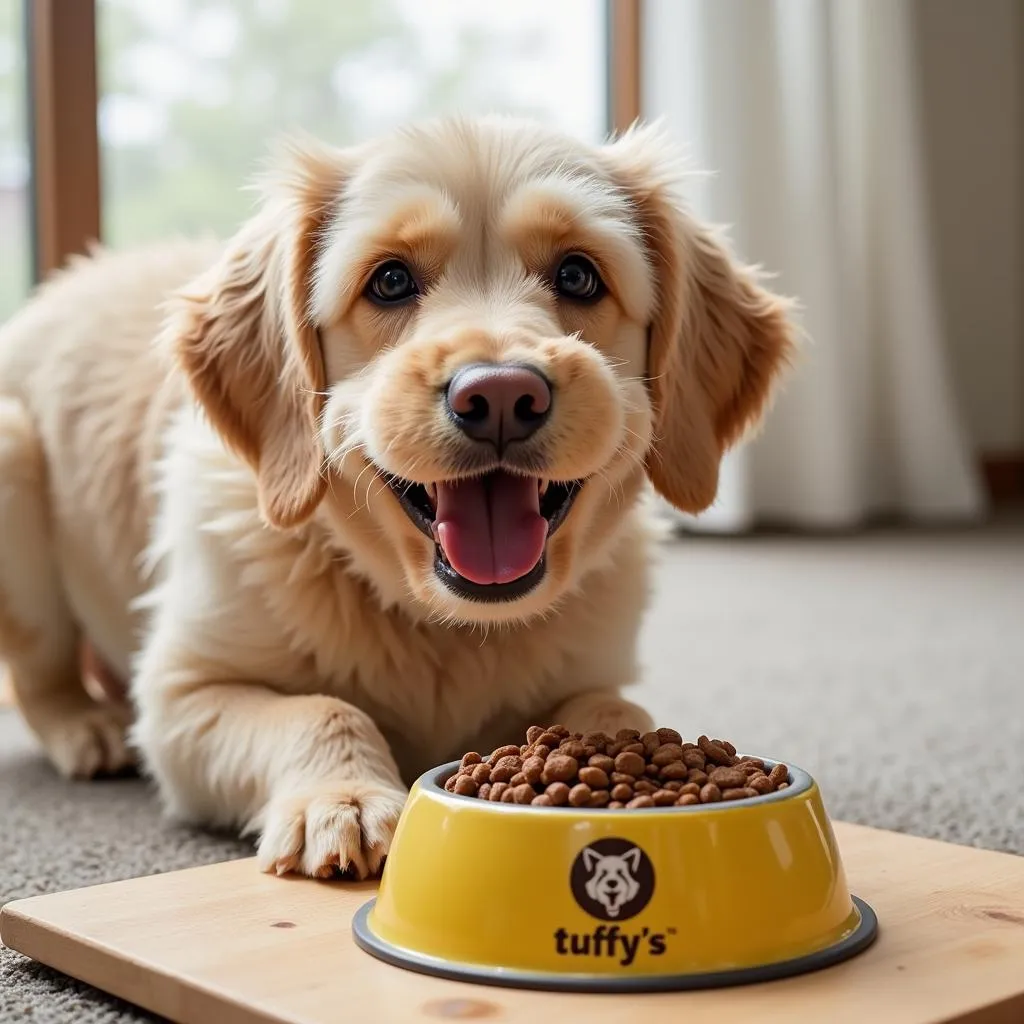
491	529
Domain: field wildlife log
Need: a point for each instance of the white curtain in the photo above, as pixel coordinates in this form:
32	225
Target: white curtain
804	113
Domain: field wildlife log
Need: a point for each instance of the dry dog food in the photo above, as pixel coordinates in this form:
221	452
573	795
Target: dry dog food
558	768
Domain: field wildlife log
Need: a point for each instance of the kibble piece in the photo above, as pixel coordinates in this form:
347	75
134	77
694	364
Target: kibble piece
782	785
559	730
533	767
594	777
760	783
579	795
617	777
632	748
542	800
778	775
652	771
549	739
675	770
713	751
599	740
450	783
622	792
644	800
509	796
497	790
739	793
627	735
696	775
533	734
481	773
471	757
501	774
693	758
727	747
559	793
602	761
599	798
630	763
523	794
710	794
574	749
513	761
669	736
484	792
518	779
615	805
755	761
664	797
687	800
465	786
728	778
559	768
691	787
651	742
675	785
510	750
666	754
645	786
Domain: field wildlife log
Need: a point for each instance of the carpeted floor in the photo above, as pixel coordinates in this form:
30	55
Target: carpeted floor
890	665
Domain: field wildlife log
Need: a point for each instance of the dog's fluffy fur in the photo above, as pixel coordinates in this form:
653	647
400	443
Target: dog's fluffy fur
193	442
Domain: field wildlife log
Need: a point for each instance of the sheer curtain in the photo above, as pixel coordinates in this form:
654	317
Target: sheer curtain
804	114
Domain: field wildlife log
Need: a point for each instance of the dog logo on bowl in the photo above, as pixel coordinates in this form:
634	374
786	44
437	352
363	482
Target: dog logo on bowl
612	879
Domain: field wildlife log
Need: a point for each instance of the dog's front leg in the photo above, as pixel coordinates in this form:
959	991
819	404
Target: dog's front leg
600	711
310	773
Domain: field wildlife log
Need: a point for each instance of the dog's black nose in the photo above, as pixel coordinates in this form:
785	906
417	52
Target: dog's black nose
611	884
498	403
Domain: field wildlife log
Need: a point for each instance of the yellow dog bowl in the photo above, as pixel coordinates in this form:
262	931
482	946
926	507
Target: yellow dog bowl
597	900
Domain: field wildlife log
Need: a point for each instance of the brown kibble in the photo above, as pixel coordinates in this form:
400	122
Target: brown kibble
594	777
755	761
481	773
518	779
651	742
629	763
675	770
600	740
778	775
602	761
523	794
617	777
728	778
669	736
471	757
760	783
509	750
509	796
644	800
664	797
694	759
501	774
727	747
541	750
542	800
713	751
513	761
782	785
559	730
627	736
739	793
600	798
632	748
696	775
533	734
497	790
559	768
622	792
549	739
615	805
484	792
645	786
465	786
574	749
687	800
579	796
450	783
675	785
691	787
710	794
532	768
652	771
559	793
613	749
666	754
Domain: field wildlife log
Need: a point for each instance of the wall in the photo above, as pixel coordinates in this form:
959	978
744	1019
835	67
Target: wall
970	58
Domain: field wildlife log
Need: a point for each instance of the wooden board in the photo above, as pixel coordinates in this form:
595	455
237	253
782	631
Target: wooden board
226	944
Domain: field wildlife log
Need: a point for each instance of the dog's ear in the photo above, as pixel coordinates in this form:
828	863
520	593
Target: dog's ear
243	335
718	338
632	858
591	860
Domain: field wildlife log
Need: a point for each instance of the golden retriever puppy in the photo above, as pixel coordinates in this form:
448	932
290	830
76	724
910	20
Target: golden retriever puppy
361	489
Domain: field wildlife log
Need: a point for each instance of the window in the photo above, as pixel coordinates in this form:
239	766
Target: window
193	91
15	248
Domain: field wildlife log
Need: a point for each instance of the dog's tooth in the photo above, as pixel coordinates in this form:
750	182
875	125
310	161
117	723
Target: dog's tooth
432	493
543	487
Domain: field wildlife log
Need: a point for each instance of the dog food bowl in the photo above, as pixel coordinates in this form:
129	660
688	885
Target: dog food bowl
621	900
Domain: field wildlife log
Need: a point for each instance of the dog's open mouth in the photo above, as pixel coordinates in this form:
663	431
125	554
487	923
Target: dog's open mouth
490	532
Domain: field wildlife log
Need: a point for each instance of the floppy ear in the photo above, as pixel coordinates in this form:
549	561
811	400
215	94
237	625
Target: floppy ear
243	336
718	339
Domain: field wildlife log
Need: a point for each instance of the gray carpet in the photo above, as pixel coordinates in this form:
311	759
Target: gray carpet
890	665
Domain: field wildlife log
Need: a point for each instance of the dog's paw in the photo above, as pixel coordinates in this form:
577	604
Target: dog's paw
344	826
90	742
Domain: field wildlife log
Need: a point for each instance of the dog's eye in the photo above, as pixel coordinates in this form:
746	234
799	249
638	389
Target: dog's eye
577	278
391	282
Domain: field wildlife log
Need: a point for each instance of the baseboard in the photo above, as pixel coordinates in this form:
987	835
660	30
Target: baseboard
1004	476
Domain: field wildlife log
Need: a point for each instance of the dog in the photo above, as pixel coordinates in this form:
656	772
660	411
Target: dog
612	881
363	487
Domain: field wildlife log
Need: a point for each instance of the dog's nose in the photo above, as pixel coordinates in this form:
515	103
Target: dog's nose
498	402
612	884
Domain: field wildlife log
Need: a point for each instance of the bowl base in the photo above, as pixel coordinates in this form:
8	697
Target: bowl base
856	942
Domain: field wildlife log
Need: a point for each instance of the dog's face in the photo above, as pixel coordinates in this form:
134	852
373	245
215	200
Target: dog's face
477	338
612	881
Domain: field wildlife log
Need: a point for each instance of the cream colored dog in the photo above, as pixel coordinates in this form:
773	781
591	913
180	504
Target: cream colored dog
361	490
